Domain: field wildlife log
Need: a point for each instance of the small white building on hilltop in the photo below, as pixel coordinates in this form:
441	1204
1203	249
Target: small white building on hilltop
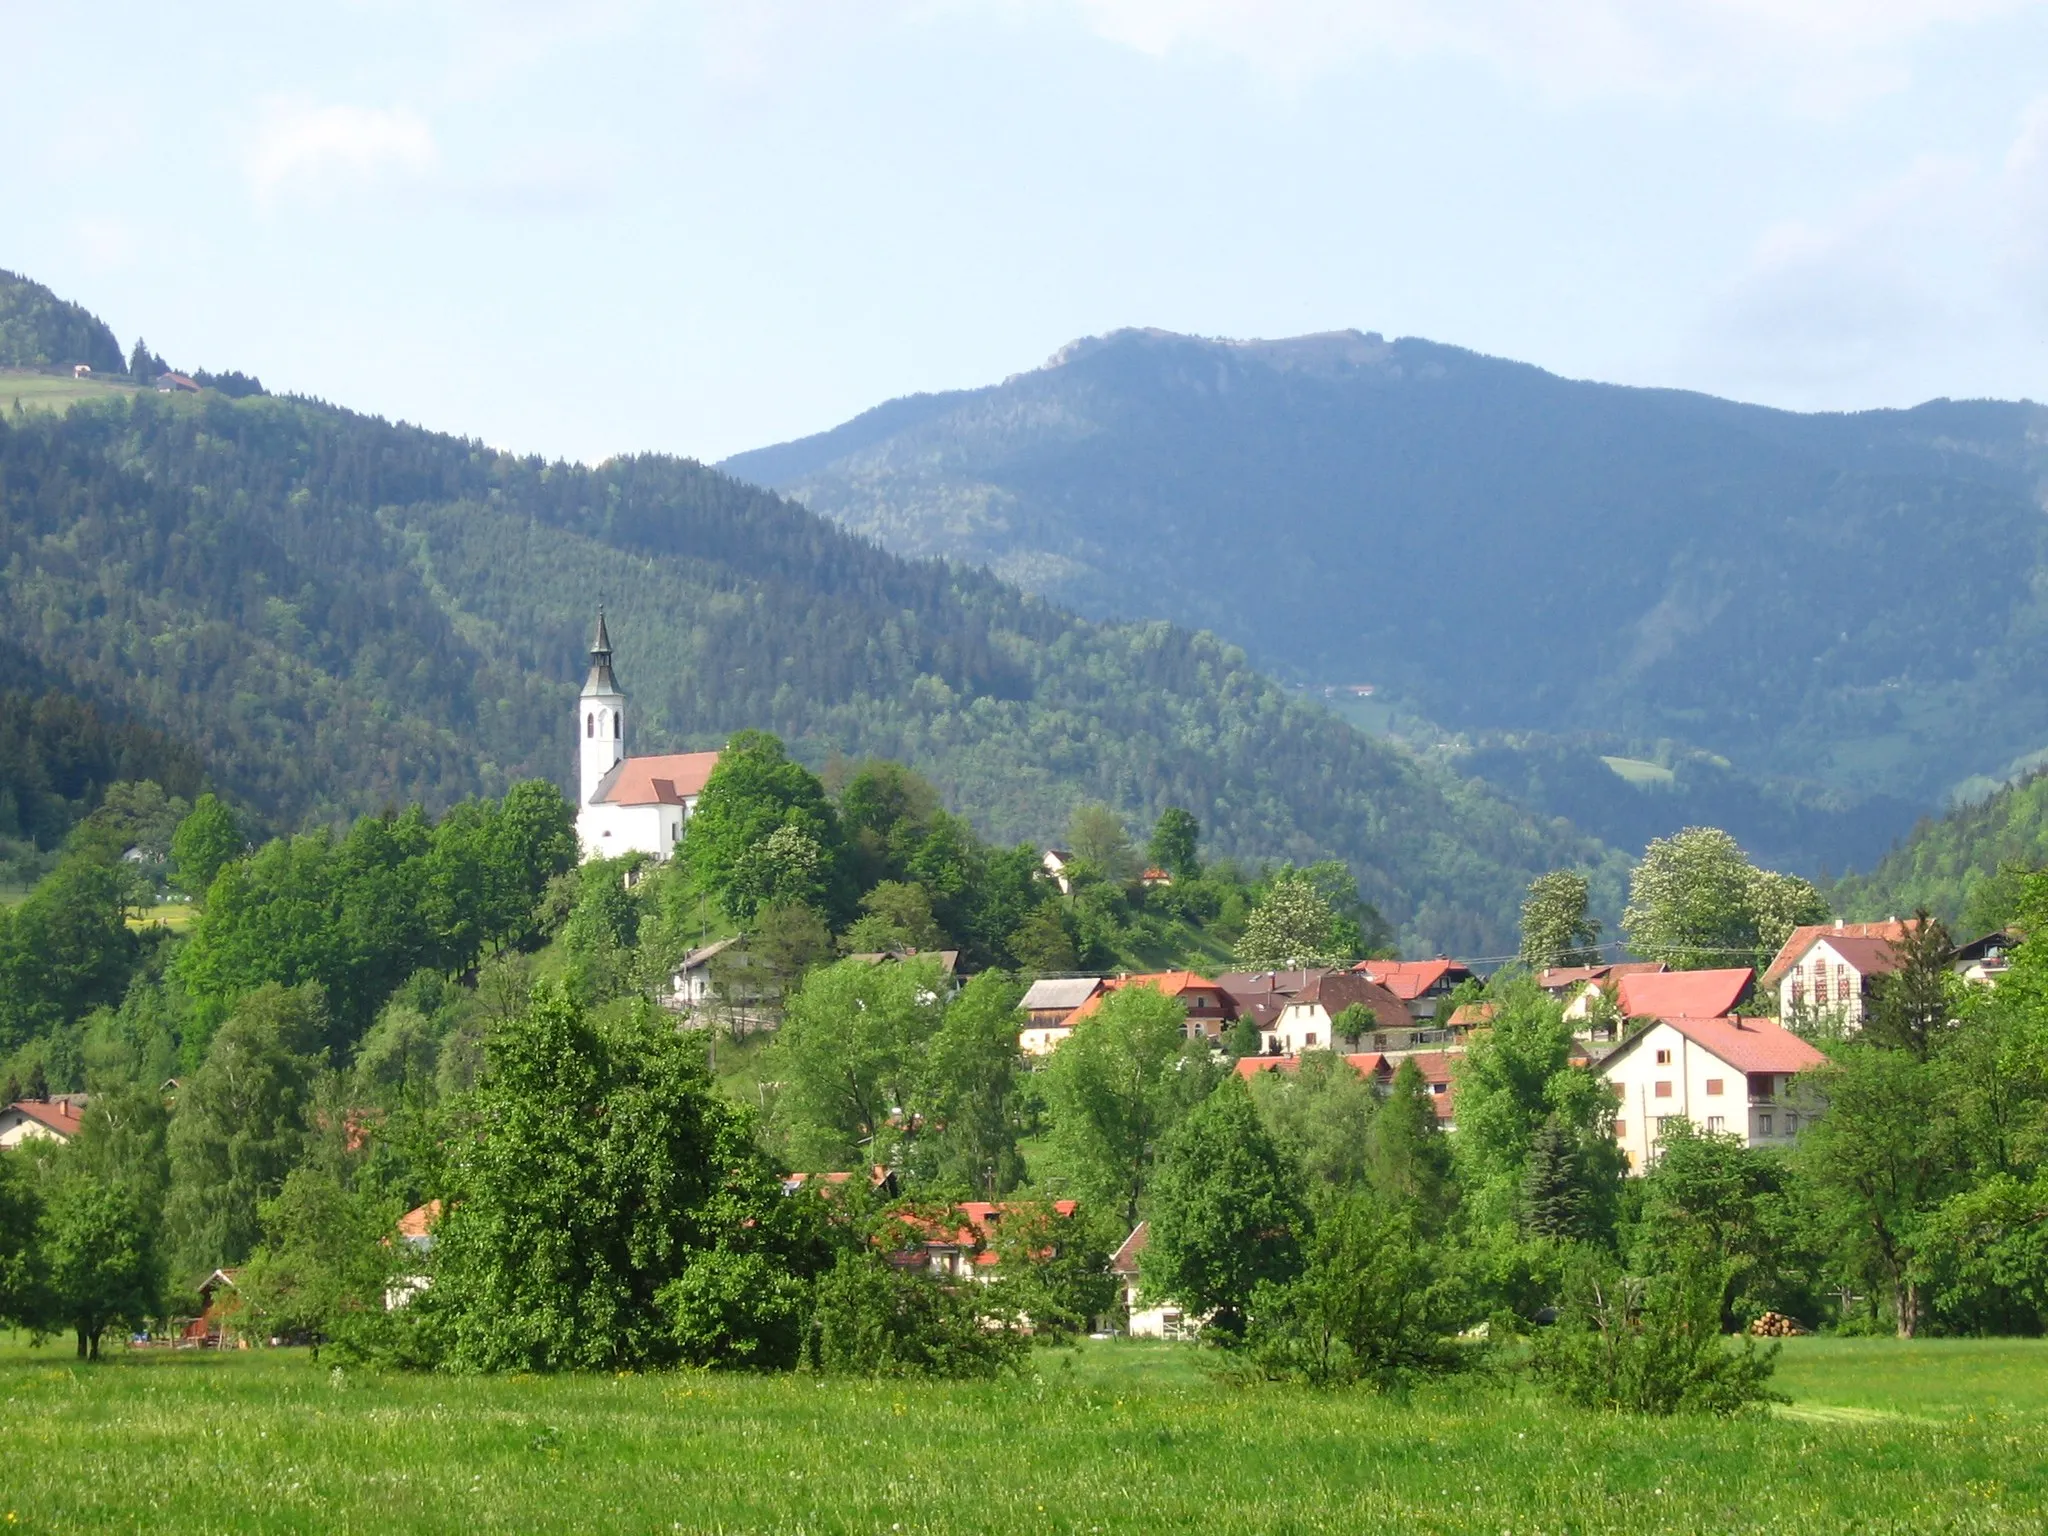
627	804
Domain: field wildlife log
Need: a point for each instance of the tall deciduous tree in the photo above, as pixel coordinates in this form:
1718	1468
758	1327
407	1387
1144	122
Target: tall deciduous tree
753	794
1175	845
969	1088
1876	1166
1407	1153
21	1209
597	1166
241	1123
1226	1211
1322	1116
1292	927
1113	1090
1558	926
101	1262
1097	835
1696	902
207	839
850	1056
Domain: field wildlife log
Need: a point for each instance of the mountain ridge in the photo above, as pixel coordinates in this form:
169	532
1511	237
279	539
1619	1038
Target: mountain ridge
1806	597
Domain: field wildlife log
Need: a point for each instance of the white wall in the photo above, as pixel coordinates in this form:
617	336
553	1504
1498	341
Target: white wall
1689	1077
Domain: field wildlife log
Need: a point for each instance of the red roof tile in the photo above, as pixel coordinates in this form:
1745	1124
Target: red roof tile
56	1115
1682	994
1747	1045
1169	983
656	780
1409	979
1794	948
419	1221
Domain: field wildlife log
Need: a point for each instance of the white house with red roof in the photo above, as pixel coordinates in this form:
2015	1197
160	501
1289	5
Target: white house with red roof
1732	1076
1420	984
55	1120
1825	969
627	804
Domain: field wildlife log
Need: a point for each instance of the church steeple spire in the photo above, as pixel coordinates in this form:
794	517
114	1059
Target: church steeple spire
601	679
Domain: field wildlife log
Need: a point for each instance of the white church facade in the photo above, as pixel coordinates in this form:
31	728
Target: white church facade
627	804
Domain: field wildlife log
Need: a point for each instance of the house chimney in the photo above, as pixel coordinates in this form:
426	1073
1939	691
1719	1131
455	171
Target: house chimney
1838	925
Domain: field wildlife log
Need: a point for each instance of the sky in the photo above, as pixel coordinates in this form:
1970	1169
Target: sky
581	230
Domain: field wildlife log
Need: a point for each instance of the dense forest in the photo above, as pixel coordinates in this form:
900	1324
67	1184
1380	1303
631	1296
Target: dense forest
345	614
1845	609
1968	866
40	330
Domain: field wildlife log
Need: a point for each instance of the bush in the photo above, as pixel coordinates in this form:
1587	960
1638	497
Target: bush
1650	1345
873	1319
1373	1305
736	1311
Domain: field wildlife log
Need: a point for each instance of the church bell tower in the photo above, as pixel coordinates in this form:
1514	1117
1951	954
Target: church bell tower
600	717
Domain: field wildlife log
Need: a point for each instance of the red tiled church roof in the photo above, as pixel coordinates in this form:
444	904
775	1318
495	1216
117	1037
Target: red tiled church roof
668	780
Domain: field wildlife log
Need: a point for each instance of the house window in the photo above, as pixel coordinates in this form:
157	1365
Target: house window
1763	1125
1620	1092
618	726
1820	985
1714	1087
1798	989
1663	1089
1717	1123
1620	1129
1791	1124
1842	993
1309	1038
1663	1058
590	725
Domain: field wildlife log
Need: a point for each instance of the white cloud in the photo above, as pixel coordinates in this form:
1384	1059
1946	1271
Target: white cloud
1819	51
304	147
1930	277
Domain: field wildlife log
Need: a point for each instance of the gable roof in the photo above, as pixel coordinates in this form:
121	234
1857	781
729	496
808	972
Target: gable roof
57	1116
1568	978
1125	1260
1794	948
419	1221
1166	983
1682	994
1867	957
1746	1045
1051	993
1366	1064
668	780
1337	990
1410	979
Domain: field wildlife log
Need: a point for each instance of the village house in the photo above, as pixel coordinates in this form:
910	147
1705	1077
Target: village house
1049	1006
1208	1005
55	1120
1054	863
965	1249
1732	1076
1663	994
1568	983
1420	984
627	804
1824	970
1161	1320
1307	1019
1983	961
1378	1069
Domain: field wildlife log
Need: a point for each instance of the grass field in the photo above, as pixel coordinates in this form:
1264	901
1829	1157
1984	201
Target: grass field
1641	773
175	915
1882	1438
53	392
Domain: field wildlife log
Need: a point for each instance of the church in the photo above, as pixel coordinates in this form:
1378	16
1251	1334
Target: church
627	804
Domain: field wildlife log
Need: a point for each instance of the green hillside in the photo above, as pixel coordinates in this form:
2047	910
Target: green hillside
1964	866
348	614
1847	610
39	330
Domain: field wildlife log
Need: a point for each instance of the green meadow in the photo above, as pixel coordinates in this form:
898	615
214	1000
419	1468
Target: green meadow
1937	1436
34	391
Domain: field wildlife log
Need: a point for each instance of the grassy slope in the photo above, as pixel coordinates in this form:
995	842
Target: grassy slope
53	392
1123	1437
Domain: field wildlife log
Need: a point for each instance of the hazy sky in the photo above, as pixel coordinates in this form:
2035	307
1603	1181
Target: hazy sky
611	226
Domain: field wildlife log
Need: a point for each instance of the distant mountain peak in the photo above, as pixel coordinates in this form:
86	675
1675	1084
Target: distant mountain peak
1318	352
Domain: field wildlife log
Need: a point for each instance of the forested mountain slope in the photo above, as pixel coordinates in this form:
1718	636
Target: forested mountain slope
345	614
1964	867
38	329
1850	610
